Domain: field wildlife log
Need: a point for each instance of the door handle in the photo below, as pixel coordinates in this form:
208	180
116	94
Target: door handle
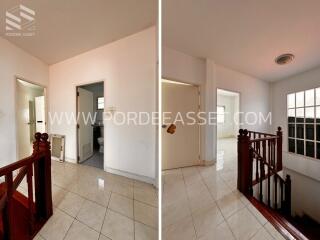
164	126
172	128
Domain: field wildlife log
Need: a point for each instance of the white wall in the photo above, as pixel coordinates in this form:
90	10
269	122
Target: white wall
254	96
309	188
14	62
228	128
254	93
304	165
128	68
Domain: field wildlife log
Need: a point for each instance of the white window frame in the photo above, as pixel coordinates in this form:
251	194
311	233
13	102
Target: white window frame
99	108
221	116
315	141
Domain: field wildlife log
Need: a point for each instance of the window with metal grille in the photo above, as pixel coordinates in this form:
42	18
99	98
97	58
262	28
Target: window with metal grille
303	111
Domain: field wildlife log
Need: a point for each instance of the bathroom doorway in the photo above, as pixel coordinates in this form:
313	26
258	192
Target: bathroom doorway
30	115
90	128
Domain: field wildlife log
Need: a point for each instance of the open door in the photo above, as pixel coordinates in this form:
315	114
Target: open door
181	147
30	102
85	129
40	114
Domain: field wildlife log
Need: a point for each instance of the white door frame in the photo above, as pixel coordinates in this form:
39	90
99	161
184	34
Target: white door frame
16	78
76	108
216	127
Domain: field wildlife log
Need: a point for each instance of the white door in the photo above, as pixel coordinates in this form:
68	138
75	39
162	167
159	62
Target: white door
40	114
85	130
182	148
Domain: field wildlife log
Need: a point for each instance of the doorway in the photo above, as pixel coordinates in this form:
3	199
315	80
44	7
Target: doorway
90	127
227	125
30	115
181	147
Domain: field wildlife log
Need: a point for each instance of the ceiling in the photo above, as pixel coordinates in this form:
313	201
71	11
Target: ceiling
246	35
67	28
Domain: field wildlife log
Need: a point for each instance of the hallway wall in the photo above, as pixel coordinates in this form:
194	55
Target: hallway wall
310	79
254	93
15	62
128	69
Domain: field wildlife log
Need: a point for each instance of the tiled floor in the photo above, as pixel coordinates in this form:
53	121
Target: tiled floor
202	203
90	204
95	161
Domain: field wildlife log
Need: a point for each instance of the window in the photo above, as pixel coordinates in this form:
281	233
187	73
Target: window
220	114
303	110
100	103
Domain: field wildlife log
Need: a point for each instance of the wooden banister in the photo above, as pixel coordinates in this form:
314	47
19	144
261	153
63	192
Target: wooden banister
39	210
279	149
263	153
243	162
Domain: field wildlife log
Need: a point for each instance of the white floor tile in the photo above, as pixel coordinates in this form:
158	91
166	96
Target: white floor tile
117	226
243	224
92	215
57	226
144	232
79	231
121	205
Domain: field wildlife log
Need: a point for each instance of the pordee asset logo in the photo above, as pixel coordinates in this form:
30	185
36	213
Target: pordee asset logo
20	21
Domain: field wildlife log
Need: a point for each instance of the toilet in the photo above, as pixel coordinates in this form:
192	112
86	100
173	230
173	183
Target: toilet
101	140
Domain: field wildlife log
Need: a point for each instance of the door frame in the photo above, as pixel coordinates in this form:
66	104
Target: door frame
199	109
216	109
76	127
16	79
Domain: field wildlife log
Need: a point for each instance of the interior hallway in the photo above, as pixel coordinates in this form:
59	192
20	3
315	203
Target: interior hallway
90	204
95	161
203	203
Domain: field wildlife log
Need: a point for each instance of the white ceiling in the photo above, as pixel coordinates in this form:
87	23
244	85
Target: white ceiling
246	35
66	28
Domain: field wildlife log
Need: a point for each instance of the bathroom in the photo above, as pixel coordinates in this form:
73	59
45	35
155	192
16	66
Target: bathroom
90	99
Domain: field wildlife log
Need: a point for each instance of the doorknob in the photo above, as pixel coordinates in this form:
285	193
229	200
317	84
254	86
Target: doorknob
164	126
172	128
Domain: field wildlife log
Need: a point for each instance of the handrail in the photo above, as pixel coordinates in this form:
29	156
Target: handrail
262	152
260	133
23	162
263	139
37	166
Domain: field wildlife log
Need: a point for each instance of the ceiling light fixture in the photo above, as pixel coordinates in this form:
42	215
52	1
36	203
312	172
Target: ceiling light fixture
284	59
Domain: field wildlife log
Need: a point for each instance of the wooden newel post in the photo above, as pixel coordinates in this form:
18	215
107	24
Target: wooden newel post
244	165
288	195
42	176
279	149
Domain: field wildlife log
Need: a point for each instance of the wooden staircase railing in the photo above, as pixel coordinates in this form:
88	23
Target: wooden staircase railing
260	180
23	216
259	158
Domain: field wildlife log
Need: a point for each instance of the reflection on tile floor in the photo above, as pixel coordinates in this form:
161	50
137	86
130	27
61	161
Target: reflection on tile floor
91	204
202	203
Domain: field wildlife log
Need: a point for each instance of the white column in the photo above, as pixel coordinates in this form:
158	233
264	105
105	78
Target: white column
210	106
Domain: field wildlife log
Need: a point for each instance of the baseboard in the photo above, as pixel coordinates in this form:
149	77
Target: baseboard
70	160
207	162
131	175
122	173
